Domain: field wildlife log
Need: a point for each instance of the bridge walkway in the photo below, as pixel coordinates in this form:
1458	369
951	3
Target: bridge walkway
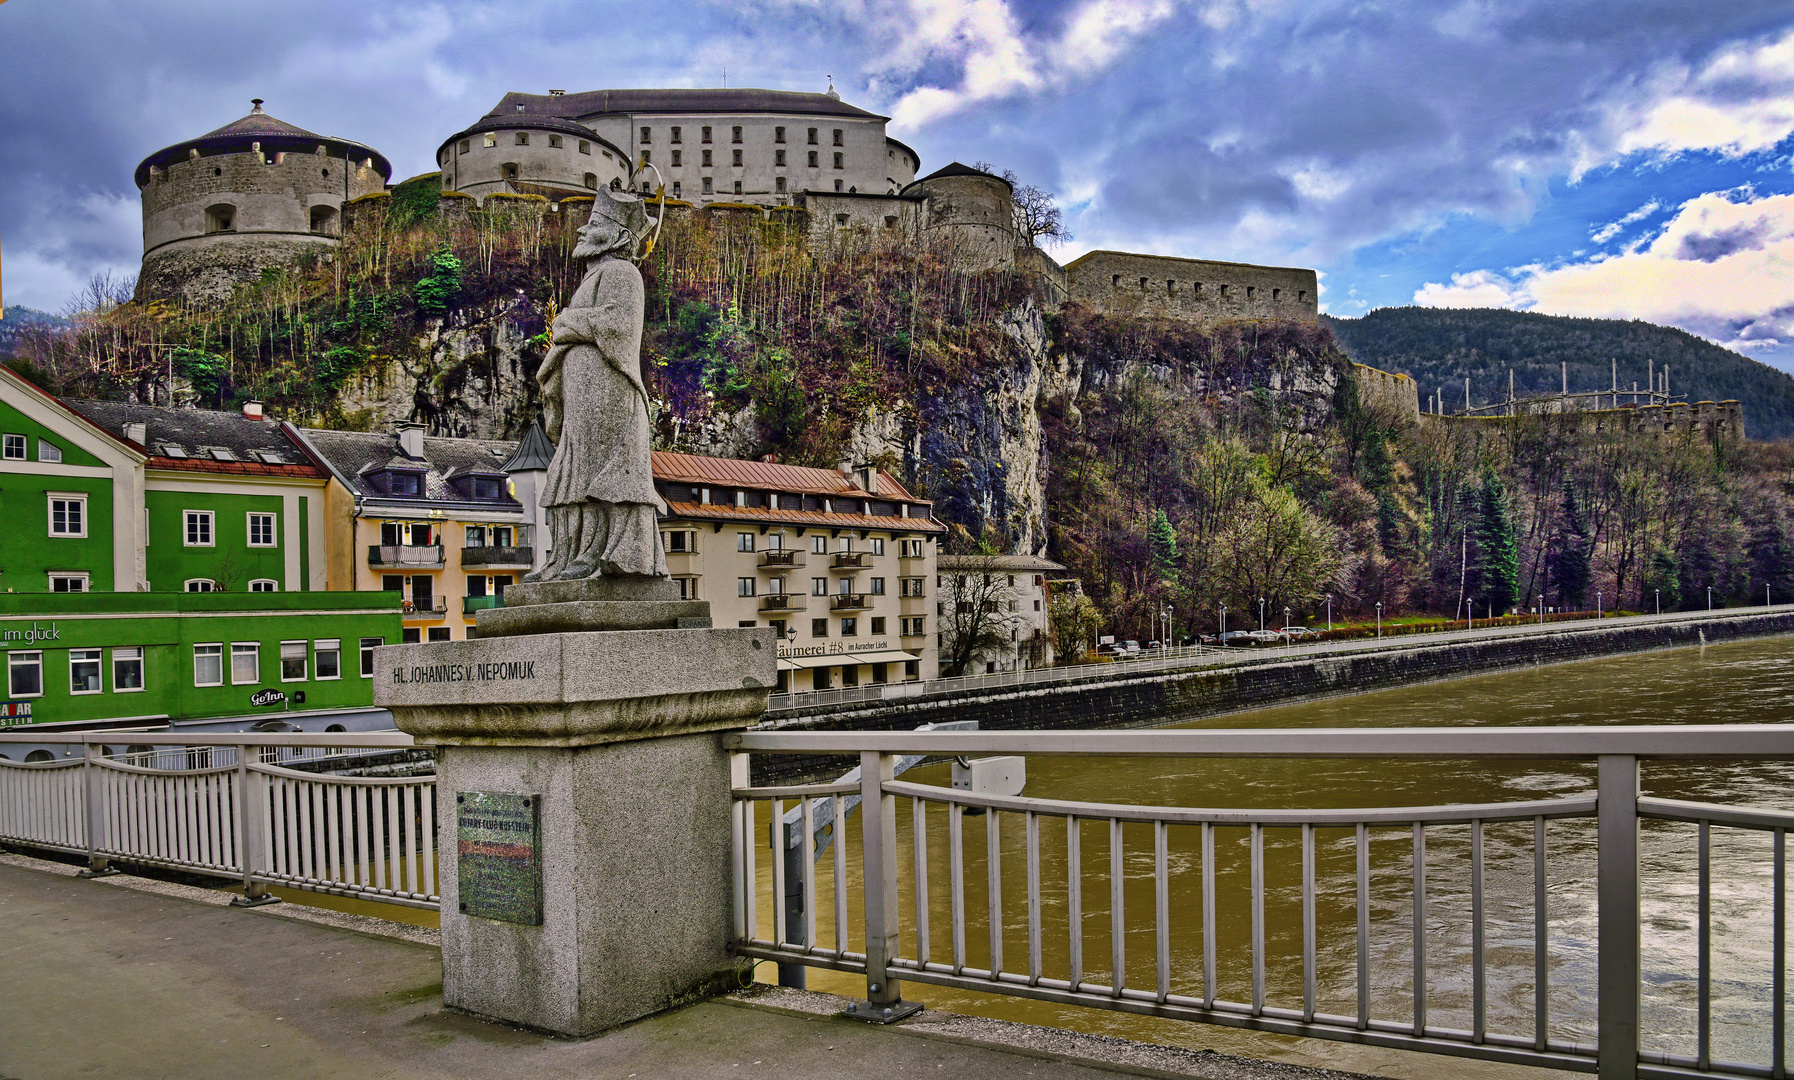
127	977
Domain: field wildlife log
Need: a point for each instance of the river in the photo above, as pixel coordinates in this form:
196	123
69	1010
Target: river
1739	682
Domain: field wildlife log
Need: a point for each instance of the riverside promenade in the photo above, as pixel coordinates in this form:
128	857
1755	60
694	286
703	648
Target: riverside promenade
136	978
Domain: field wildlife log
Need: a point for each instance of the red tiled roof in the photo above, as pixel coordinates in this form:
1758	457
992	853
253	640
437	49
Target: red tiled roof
240	468
725	512
768	476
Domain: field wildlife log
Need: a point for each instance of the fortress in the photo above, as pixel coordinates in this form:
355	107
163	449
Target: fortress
260	192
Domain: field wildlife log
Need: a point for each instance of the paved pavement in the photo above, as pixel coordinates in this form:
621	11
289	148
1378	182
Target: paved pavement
123	977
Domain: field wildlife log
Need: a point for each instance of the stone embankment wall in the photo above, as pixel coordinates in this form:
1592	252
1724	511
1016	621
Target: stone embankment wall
1159	699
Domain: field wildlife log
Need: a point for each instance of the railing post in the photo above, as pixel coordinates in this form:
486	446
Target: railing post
249	808
878	846
94	802
1617	935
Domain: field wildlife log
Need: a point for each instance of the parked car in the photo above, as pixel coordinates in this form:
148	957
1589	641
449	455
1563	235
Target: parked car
1265	637
1299	632
1236	637
1132	648
1153	645
1208	639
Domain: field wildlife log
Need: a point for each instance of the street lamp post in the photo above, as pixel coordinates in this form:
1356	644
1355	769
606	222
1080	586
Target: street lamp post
1599	611
1379	618
1709	598
1657	599
1261	613
1223	618
1329	611
791	642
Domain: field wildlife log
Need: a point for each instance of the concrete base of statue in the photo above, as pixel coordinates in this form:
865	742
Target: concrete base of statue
583	800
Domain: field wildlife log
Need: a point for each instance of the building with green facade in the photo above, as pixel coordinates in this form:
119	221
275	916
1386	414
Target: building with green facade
146	546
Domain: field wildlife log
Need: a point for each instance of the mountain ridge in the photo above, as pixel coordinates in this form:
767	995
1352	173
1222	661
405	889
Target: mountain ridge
1441	347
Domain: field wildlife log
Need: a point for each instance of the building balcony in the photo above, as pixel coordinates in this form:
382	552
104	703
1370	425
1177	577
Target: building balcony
471	604
849	561
510	558
783	602
433	608
850	602
409	556
781	560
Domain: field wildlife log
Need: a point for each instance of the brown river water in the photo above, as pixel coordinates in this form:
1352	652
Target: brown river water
1742	682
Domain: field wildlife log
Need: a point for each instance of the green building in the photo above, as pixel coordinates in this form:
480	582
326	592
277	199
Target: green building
151	543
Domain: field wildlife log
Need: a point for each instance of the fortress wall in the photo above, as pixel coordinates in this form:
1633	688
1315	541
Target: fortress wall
977	213
833	214
1191	290
1722	419
268	194
479	171
1390	390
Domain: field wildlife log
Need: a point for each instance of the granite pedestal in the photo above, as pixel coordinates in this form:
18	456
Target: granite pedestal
611	736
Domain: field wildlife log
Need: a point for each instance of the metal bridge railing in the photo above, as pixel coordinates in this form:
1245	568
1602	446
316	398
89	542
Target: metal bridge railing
1150	967
219	805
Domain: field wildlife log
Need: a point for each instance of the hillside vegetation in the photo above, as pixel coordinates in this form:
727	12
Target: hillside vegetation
1165	465
1441	347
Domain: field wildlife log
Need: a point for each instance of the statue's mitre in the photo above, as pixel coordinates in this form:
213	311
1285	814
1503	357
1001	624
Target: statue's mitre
620	208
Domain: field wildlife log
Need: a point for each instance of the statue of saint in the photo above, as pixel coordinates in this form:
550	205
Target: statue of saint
599	497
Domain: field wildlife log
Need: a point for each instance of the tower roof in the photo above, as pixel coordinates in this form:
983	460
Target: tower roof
274	135
594	103
533	452
958	169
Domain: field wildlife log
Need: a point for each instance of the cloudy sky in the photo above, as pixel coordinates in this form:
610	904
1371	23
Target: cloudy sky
1591	157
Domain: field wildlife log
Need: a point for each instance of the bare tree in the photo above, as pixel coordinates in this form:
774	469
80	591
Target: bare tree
977	619
1037	216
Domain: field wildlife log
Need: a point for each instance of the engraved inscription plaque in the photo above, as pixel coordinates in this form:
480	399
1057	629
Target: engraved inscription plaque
499	851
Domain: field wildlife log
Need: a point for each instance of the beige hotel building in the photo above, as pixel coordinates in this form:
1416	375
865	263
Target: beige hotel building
840	563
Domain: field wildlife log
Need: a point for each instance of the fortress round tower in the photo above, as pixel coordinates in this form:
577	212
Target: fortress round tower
252	194
972	207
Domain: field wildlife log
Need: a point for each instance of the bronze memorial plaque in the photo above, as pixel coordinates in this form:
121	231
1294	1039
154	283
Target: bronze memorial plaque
498	844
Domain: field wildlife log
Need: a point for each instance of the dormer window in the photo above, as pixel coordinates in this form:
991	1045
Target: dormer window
399	482
486	487
221	454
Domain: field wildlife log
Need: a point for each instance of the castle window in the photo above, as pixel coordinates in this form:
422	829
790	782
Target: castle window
778	185
812	159
678	158
554	141
1115	280
647	156
677	192
466	145
778	158
218	172
585	147
677	131
1276	294
839	164
707	185
812	136
706	134
592	181
890	221
778	134
1250	289
1196	289
1170	287
838	184
1142	284
838	141
326	173
647	135
737	159
1302	294
489	140
523	138
1223	292
509	169
737	187
735	134
841	219
221	217
323	220
707	159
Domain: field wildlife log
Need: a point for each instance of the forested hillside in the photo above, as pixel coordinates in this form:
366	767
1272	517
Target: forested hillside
21	324
1441	347
1166	465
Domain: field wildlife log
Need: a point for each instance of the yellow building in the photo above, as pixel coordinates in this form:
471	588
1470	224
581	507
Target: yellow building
840	562
438	520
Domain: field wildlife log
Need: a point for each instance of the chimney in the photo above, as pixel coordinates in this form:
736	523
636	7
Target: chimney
411	441
867	477
252	410
137	433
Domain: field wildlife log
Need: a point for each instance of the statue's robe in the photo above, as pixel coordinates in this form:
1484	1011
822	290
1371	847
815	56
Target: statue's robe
601	476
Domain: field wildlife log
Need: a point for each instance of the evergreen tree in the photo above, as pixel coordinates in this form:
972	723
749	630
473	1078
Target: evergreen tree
1662	581
1568	559
1162	539
1498	580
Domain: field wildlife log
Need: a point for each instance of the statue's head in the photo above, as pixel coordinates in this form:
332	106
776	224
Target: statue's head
618	223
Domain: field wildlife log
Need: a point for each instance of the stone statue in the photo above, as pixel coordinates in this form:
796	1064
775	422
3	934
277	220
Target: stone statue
599	496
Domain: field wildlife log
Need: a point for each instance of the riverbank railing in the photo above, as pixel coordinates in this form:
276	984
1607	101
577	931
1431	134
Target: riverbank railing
1191	657
1152	966
221	805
